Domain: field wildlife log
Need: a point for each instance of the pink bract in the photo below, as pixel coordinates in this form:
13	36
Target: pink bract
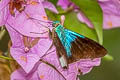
111	14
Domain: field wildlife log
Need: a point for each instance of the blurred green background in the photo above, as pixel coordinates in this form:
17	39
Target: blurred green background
108	70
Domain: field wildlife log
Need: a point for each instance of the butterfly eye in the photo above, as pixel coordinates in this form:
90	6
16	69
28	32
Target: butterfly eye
55	25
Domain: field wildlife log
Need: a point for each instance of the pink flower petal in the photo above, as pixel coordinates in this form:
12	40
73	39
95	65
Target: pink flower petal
17	75
21	75
3	4
111	21
86	65
111	14
109	7
3	12
63	3
103	0
84	19
32	21
50	6
48	73
27	60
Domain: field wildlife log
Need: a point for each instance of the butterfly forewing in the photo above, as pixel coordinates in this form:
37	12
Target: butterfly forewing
84	48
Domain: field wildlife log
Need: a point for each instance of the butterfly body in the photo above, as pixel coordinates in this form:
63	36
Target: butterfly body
72	47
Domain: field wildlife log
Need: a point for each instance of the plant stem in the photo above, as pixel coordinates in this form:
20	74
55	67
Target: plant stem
7	58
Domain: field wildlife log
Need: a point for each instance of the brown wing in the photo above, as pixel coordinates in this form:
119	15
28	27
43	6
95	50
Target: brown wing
84	48
59	48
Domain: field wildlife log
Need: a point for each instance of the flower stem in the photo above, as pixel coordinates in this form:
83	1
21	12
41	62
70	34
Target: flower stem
7	58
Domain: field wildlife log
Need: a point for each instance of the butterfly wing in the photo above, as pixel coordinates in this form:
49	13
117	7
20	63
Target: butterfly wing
76	46
60	50
83	48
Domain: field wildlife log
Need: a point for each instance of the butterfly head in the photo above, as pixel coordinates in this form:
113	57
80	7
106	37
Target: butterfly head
56	23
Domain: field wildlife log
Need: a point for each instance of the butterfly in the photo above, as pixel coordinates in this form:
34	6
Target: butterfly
71	46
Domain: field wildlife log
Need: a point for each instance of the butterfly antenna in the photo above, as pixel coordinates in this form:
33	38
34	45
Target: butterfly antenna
49	23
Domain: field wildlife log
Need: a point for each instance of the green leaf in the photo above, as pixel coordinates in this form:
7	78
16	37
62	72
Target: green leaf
51	15
92	10
54	1
72	23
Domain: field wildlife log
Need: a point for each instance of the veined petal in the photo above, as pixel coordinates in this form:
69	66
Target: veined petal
3	4
110	7
20	74
4	12
103	0
46	72
111	21
32	21
27	60
86	65
111	14
17	75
